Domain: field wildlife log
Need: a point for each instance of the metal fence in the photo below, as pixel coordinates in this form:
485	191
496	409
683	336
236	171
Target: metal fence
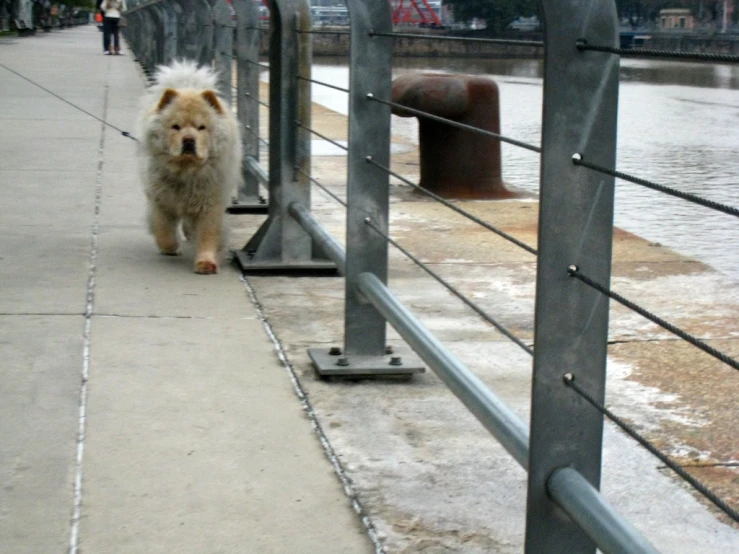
561	448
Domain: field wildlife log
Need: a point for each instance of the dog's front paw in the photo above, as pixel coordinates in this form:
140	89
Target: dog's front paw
171	252
206	267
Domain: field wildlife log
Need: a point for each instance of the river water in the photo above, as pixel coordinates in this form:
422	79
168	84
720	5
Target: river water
678	126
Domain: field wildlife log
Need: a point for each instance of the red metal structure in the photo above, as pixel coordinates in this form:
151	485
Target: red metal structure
408	12
414	12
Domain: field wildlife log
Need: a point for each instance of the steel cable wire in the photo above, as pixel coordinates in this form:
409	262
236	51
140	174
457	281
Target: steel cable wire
433	37
263	66
656	186
569	380
250	97
453	290
646	53
247	94
324	137
314	32
574	272
460	39
76	107
322	84
257	100
322	186
456	124
256	134
457	209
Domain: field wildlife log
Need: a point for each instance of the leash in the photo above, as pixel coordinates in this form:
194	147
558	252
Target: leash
121	131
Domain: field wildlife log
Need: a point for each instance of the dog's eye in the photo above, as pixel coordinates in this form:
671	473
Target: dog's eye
201	128
176	127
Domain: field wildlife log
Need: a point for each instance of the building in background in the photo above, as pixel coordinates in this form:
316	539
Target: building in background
329	13
420	13
678	19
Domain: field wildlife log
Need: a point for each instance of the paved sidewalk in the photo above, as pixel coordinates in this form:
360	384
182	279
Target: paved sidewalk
193	439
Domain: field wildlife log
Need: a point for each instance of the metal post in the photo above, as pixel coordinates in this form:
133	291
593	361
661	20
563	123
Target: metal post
169	38
163	31
195	42
248	39
141	28
158	16
365	351
177	13
224	44
281	244
132	30
575	227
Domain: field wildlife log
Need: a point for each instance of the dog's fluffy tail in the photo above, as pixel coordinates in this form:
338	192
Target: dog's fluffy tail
185	74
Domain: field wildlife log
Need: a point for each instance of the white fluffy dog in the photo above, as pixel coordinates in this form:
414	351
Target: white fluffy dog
190	160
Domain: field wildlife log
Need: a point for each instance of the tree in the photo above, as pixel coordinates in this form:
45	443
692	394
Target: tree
498	14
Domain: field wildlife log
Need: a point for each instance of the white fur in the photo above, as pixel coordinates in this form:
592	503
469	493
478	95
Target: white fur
184	74
187	190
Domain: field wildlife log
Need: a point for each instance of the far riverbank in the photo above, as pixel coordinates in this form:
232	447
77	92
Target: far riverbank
435	46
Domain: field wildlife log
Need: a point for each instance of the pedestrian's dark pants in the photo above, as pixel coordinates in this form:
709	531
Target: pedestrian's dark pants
110	27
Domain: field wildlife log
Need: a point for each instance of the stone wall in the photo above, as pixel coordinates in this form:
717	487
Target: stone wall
338	45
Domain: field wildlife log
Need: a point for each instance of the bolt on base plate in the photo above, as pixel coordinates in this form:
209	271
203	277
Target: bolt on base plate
333	363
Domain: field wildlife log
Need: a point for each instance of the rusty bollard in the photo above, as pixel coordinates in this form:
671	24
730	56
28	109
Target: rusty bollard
455	163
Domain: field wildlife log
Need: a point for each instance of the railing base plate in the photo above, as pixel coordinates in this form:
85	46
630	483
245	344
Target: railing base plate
247	264
367	367
248	205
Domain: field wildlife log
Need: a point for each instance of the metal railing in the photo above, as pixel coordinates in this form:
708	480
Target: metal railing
561	448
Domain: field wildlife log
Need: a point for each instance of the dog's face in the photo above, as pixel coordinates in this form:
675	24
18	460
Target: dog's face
188	119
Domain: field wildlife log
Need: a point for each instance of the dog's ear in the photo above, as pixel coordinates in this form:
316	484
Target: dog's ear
211	98
166	99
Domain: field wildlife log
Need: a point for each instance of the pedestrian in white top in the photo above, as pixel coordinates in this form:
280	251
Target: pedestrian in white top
113	10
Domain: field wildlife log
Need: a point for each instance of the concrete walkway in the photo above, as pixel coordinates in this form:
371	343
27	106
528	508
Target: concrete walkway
143	408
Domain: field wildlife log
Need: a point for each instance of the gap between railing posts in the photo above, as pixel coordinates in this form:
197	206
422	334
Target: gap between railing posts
170	31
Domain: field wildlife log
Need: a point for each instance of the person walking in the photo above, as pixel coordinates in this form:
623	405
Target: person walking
112	12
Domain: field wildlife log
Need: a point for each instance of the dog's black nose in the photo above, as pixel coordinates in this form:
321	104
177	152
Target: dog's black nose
188	146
